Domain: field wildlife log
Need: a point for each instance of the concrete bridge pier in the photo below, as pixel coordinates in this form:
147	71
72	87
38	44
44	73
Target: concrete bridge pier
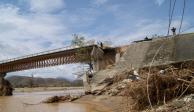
5	86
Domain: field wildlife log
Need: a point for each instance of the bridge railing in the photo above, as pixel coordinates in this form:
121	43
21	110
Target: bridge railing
46	52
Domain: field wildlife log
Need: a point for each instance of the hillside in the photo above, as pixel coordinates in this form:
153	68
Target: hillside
24	81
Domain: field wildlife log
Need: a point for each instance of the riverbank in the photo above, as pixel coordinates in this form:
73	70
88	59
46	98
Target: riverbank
113	103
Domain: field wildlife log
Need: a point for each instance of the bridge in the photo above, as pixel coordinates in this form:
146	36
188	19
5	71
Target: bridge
98	56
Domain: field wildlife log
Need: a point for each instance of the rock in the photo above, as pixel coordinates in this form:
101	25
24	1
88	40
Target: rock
114	92
126	80
189	98
5	87
73	98
56	99
178	103
161	72
107	80
97	90
52	99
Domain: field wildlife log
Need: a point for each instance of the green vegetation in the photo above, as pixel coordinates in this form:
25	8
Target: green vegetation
78	40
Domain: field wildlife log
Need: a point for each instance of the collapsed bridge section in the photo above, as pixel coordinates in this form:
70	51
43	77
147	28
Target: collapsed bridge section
51	58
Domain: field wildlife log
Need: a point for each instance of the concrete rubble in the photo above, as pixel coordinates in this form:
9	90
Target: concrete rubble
113	85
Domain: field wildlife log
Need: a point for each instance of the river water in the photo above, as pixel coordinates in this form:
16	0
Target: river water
30	102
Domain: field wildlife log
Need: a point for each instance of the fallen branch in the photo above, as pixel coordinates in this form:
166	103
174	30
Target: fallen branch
179	79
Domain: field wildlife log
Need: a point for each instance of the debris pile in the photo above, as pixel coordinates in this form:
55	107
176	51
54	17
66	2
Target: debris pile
116	88
174	82
185	104
165	82
56	99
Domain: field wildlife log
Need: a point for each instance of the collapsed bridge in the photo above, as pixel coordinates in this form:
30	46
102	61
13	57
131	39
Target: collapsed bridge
98	56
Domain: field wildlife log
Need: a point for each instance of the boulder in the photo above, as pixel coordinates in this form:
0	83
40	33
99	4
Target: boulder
5	87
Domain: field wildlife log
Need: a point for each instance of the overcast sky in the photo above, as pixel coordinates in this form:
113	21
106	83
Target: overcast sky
31	26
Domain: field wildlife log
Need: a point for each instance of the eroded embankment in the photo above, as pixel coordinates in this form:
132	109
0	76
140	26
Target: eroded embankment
155	86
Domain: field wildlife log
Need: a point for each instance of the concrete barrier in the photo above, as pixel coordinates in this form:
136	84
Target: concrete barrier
172	49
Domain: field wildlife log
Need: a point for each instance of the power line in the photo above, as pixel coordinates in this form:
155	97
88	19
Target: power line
171	14
187	29
184	5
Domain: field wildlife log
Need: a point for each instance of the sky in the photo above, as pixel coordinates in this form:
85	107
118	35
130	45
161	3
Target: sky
32	26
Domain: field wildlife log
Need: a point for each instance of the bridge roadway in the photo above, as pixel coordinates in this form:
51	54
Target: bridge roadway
67	55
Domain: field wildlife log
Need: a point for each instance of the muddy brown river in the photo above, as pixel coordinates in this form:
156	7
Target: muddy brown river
30	102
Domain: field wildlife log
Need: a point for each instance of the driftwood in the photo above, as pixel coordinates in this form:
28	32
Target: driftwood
56	99
175	82
179	79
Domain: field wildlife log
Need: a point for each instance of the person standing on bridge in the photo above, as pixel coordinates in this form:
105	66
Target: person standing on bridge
173	30
91	67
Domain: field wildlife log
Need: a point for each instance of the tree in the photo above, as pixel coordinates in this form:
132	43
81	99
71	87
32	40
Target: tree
78	40
81	52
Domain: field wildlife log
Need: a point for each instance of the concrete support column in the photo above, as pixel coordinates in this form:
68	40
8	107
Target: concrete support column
117	57
5	87
96	65
87	86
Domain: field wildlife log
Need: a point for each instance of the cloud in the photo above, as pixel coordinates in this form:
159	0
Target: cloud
47	6
23	34
26	29
123	35
159	2
99	2
37	31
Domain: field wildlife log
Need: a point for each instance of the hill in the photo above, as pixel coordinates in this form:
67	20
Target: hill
24	81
